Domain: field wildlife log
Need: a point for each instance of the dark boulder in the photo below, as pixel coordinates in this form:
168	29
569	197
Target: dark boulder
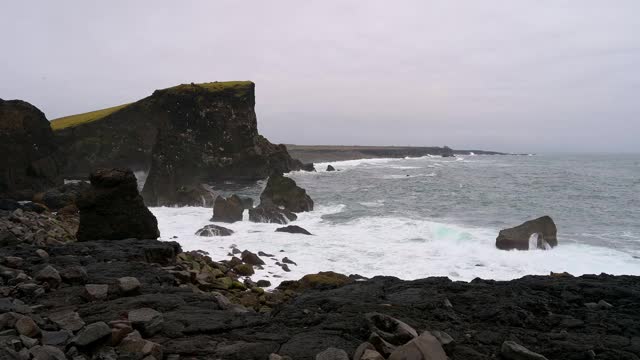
424	347
251	258
519	237
114	210
282	191
447	152
271	214
308	167
293	229
194	195
330	168
390	329
214	230
228	210
30	160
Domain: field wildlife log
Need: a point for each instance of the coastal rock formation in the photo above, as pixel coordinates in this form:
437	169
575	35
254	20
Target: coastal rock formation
182	136
330	168
519	237
293	229
228	210
283	192
271	214
30	161
113	209
214	230
62	196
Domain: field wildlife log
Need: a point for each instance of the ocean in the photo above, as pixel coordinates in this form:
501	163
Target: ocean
430	216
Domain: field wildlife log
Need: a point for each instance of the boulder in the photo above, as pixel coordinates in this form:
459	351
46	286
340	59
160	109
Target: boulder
56	337
371	355
251	258
513	351
283	192
293	229
27	327
114	210
244	269
128	285
47	352
390	329
308	167
74	275
67	320
214	230
520	237
321	280
330	168
64	195
193	195
424	347
30	160
146	320
271	214
228	210
139	348
49	275
94	292
92	333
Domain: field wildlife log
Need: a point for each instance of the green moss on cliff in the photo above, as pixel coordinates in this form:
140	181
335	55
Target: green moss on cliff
237	88
79	119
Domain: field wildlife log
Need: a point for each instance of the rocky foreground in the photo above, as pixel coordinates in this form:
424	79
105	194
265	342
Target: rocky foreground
135	299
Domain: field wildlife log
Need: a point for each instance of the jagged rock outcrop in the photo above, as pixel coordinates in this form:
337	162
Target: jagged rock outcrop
214	230
283	192
293	229
183	136
114	210
30	161
271	214
228	210
519	237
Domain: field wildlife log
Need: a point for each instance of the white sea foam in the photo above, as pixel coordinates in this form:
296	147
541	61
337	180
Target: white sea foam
402	247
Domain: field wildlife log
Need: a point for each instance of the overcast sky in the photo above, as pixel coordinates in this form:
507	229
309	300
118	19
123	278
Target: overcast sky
525	76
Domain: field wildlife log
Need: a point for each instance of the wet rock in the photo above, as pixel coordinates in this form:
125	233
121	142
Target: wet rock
114	210
244	269
262	253
228	210
513	351
518	237
330	168
128	285
74	275
27	327
92	333
251	258
332	354
95	292
42	254
263	283
283	192
64	196
67	320
146	320
293	229
271	214
214	230
424	347
390	329
321	280
49	275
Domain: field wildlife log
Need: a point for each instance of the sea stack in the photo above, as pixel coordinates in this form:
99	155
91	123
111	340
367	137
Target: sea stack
114	210
519	237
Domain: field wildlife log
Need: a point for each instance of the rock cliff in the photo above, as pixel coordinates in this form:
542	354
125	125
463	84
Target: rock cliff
183	136
30	161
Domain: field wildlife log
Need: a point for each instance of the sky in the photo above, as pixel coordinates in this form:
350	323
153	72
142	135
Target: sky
519	76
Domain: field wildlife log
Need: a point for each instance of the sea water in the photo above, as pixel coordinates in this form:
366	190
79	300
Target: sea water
431	216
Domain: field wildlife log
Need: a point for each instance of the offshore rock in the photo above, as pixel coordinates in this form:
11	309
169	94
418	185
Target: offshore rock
214	230
293	229
519	237
114	210
228	210
271	214
283	192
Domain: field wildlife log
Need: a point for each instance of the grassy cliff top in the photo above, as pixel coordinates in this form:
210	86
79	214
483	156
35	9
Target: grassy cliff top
79	119
237	88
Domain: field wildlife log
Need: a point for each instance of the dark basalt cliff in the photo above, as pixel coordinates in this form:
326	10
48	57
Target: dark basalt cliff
184	136
29	160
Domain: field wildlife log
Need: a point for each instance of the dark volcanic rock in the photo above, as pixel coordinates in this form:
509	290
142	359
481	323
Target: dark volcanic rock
64	195
228	210
214	230
30	161
114	209
271	214
518	237
293	229
330	168
283	191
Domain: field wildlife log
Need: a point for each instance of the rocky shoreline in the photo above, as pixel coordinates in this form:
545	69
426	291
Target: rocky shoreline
135	299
